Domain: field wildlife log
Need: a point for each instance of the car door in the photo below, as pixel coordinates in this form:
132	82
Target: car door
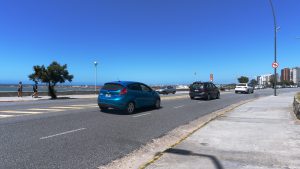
136	94
147	95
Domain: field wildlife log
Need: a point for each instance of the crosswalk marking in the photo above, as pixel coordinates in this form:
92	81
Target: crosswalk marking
44	109
5	116
31	111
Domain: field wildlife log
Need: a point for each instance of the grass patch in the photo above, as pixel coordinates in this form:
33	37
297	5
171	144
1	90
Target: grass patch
298	96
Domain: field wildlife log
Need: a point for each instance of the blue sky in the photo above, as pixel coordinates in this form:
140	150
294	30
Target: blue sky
152	41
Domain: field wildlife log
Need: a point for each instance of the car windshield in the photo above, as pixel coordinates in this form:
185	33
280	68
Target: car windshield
197	86
112	86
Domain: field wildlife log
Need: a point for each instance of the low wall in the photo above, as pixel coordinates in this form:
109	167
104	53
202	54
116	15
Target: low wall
15	94
296	106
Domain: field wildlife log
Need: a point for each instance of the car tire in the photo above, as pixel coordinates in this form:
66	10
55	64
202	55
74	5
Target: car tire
248	92
130	108
103	108
218	96
236	92
157	103
208	97
174	92
192	97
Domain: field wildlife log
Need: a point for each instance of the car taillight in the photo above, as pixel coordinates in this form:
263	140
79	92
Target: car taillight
123	91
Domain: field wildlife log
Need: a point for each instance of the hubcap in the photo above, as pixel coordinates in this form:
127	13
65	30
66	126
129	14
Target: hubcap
130	107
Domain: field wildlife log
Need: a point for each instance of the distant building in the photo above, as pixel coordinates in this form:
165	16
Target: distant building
285	74
264	80
295	75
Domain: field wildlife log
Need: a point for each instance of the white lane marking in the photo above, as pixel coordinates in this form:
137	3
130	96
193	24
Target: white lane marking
5	116
63	133
46	109
83	105
178	107
142	115
19	112
67	107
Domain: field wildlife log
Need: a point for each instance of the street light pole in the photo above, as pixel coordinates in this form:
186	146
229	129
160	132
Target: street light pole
96	64
275	47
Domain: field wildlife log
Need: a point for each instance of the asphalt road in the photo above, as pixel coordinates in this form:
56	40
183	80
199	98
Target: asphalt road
73	133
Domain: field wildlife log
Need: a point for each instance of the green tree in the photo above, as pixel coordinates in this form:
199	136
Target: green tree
243	79
53	74
253	82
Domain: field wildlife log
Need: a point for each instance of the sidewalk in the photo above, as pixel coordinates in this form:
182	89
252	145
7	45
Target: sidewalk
262	134
29	98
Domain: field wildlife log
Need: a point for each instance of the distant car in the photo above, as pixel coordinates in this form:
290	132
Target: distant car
204	90
166	90
127	96
244	88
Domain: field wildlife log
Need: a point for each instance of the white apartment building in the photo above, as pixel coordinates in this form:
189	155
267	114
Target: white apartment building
295	75
264	80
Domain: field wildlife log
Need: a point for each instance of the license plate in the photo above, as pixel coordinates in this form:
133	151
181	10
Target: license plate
108	95
196	90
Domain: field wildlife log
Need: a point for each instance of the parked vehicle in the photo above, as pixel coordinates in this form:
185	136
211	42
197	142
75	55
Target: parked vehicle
166	90
244	88
127	96
204	90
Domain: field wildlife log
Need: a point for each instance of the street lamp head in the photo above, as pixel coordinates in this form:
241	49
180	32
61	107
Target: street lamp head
95	63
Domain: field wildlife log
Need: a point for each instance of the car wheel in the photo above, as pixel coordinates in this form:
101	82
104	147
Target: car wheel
157	104
218	96
192	97
208	97
248	92
130	108
102	108
236	92
174	92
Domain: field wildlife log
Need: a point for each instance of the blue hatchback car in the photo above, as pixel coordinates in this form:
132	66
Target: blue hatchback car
127	96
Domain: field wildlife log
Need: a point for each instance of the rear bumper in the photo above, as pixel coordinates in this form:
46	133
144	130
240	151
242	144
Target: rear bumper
198	95
116	104
241	90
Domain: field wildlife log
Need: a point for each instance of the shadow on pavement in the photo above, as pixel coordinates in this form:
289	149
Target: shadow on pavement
215	161
121	112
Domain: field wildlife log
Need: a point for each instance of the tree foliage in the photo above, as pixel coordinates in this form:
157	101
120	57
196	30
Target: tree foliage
53	74
243	79
254	82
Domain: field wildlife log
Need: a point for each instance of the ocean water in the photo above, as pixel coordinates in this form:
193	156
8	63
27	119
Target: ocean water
43	88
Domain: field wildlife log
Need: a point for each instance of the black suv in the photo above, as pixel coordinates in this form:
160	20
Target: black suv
204	90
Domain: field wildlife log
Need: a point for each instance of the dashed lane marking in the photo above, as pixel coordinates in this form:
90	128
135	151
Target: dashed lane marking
145	114
68	107
177	107
63	133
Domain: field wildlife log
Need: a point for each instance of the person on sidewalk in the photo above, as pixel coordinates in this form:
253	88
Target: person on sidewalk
35	90
20	89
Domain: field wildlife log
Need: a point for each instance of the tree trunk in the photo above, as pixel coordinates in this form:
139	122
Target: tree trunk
51	91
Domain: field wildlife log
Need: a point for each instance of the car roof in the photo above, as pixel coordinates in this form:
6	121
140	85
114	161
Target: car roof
123	83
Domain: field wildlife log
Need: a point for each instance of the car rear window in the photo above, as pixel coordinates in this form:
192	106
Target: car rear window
112	86
197	86
241	85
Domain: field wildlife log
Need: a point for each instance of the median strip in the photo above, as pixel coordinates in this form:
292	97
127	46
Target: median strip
63	133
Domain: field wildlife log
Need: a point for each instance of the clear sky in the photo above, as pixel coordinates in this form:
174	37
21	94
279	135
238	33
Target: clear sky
152	41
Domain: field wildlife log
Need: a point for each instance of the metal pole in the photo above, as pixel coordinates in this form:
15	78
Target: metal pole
95	76
275	47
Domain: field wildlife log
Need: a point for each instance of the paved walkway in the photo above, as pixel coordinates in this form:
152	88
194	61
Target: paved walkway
262	134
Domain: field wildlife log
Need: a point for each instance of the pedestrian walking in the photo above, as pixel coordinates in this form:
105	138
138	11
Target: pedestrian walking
35	90
20	89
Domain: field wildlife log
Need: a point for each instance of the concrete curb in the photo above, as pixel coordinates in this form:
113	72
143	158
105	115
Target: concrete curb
152	151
